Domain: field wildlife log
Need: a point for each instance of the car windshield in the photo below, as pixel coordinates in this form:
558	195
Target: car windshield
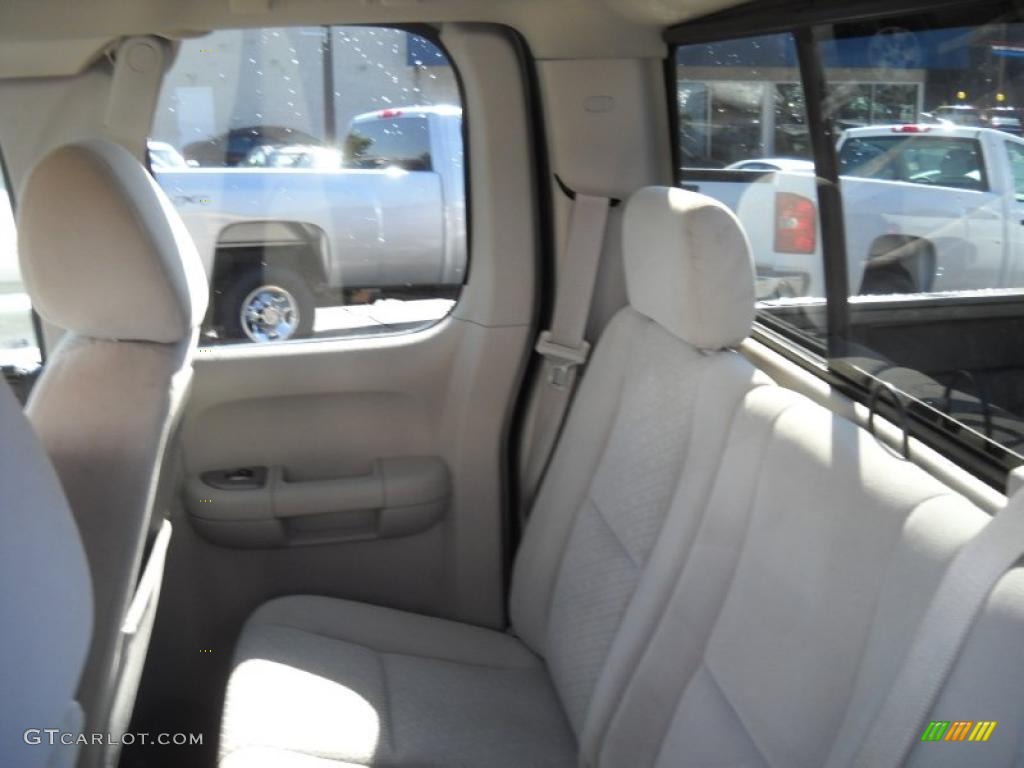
941	161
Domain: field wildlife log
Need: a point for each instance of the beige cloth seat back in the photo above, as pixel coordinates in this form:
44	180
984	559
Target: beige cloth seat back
818	556
651	417
45	601
105	256
320	679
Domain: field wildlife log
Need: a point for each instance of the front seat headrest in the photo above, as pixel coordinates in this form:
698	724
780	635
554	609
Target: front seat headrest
689	266
103	252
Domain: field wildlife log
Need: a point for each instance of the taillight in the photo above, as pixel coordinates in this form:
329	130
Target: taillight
795	223
911	128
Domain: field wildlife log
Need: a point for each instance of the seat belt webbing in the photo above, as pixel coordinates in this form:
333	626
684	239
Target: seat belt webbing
965	586
563	346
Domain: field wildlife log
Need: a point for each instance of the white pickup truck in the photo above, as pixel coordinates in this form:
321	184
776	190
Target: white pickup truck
275	240
926	208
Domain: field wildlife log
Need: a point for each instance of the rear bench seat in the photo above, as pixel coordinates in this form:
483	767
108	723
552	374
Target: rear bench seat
368	685
716	572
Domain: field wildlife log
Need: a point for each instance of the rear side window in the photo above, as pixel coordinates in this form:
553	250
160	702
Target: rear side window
902	271
320	171
389	141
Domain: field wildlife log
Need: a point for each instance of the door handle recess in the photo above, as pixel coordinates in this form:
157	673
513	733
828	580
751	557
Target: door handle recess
261	507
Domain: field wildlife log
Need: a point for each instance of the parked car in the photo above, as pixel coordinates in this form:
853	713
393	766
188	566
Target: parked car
1005	119
163	155
297	156
234	147
959	114
926	207
772	164
389	217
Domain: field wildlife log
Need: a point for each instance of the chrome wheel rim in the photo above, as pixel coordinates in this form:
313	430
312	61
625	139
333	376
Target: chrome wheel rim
269	313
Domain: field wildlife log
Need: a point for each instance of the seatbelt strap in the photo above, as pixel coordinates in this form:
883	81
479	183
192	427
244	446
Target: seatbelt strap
968	580
563	346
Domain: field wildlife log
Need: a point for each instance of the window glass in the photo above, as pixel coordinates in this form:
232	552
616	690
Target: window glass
694	134
1015	155
395	142
18	346
320	172
941	161
931	177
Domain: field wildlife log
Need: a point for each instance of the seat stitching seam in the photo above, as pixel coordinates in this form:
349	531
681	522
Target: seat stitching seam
735	711
646	322
874	622
680	565
762	460
395	653
615	536
388	718
732	578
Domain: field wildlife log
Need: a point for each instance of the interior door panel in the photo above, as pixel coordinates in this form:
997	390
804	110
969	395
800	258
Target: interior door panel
276	506
319	421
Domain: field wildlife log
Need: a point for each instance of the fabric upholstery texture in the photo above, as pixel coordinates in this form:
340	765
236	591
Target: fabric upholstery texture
716	572
616	525
105	411
367	685
649	406
45	598
648	401
689	266
103	252
817	558
105	256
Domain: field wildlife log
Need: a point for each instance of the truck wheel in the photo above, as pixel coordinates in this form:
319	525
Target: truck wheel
892	278
268	304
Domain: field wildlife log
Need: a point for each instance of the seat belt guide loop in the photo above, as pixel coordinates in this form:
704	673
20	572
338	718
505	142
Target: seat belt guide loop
560	358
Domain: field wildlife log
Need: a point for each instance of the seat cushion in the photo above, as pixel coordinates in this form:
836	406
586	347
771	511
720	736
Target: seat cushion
320	680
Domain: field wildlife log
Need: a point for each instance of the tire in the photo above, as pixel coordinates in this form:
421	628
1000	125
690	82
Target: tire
892	278
267	304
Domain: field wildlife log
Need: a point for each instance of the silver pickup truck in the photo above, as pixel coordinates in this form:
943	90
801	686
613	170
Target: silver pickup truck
388	214
927	208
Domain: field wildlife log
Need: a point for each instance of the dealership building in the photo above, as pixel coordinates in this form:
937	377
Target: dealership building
312	80
742	98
